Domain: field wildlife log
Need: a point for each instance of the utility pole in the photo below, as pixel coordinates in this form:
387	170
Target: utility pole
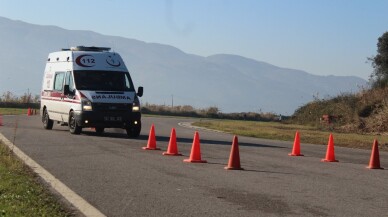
28	96
172	101
26	101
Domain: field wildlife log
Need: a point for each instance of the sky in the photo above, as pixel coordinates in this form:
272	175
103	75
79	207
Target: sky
322	37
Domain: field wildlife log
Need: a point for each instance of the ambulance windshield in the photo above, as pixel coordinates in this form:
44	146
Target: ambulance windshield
103	80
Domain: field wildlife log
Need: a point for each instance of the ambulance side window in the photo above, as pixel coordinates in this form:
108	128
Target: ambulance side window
69	81
127	83
58	81
127	86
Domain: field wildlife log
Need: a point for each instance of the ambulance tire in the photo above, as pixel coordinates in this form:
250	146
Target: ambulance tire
73	127
134	132
47	122
99	130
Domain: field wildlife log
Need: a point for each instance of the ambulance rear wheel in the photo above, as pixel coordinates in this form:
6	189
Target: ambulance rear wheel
47	122
134	131
73	126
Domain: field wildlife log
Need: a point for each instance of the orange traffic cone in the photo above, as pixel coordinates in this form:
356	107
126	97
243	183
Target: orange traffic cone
330	157
234	157
151	145
195	156
172	146
29	112
296	148
374	162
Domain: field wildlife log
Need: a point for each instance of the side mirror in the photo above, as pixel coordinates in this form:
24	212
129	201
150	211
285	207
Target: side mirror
140	91
66	90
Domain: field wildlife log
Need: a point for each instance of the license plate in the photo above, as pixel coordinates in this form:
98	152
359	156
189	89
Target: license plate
112	118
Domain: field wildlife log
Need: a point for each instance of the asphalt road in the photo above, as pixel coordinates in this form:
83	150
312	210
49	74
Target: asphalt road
119	178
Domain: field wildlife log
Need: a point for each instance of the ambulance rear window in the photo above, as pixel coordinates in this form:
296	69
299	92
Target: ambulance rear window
103	80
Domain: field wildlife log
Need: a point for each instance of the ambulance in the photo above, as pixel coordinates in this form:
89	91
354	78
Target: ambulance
89	87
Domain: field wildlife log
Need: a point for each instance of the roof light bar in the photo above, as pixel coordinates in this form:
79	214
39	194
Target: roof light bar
84	48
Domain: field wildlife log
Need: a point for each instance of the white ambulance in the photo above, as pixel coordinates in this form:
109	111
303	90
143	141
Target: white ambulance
89	87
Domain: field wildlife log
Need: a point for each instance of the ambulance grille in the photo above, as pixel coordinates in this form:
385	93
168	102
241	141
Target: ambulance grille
112	107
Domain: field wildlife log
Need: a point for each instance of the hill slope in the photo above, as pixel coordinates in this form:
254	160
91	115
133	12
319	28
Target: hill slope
232	83
363	112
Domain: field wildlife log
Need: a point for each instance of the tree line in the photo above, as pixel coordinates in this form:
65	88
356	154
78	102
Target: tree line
9	97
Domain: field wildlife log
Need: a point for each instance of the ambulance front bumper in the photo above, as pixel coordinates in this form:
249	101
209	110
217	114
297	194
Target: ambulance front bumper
105	119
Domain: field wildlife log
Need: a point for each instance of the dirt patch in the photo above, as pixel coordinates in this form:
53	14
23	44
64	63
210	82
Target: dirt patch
253	201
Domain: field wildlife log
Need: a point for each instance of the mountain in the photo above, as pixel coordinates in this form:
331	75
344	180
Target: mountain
232	83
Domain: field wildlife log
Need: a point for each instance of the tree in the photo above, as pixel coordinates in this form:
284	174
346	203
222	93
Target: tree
212	111
26	98
8	97
379	77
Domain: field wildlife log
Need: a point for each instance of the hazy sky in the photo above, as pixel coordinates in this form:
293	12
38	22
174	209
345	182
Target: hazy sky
319	36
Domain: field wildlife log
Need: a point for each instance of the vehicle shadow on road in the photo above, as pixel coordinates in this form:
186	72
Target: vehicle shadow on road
266	171
209	142
179	140
118	135
246	168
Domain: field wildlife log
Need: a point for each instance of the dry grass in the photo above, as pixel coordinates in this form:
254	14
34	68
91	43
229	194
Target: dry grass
364	112
286	132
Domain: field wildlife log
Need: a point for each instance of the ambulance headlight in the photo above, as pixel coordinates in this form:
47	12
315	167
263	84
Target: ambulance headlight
87	105
135	108
136	105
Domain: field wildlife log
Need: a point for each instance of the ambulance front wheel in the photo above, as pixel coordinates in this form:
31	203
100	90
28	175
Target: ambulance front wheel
99	130
73	126
134	131
47	122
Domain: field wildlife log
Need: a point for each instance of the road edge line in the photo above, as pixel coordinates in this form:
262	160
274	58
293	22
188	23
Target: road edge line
73	198
189	125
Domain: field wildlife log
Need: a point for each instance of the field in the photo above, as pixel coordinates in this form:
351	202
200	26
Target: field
13	111
286	132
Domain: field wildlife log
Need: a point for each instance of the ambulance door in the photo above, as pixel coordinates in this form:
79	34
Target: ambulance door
54	107
68	99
